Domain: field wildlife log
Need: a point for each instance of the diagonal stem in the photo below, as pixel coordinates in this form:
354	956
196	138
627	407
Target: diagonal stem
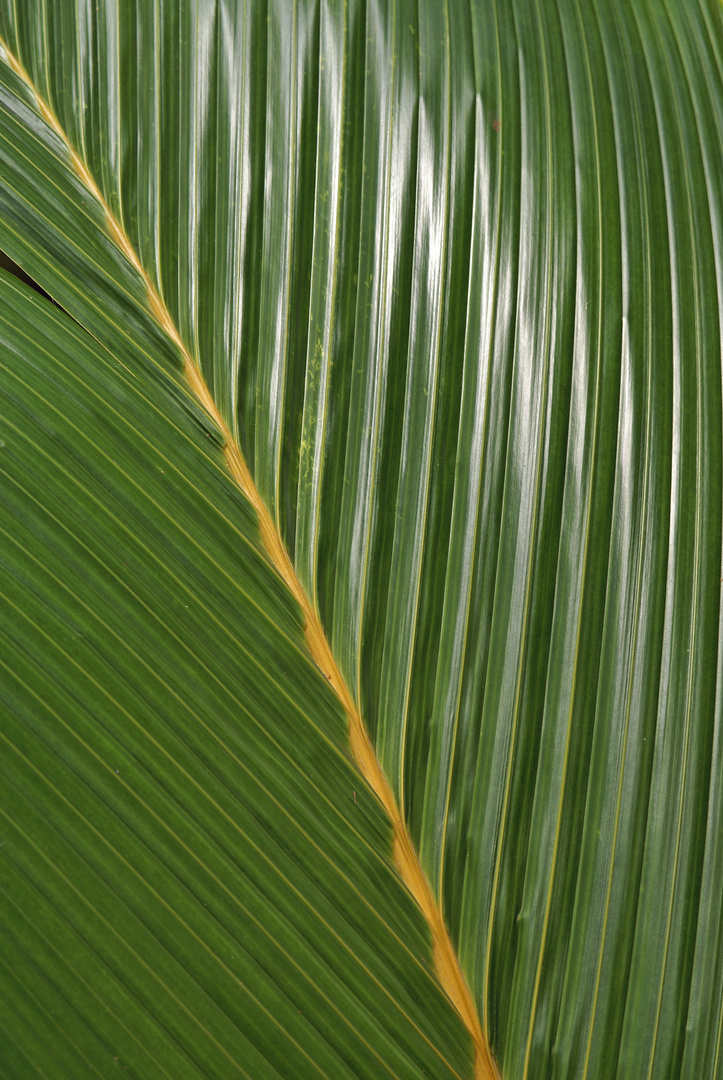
446	963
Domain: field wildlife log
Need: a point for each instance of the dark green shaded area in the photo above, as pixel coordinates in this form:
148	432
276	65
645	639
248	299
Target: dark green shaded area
195	880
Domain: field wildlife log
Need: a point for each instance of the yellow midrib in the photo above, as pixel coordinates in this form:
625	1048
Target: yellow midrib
446	963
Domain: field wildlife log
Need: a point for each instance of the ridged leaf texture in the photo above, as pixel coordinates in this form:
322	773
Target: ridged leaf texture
452	274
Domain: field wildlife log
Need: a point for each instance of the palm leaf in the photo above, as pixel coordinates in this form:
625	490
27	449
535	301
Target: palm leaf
432	295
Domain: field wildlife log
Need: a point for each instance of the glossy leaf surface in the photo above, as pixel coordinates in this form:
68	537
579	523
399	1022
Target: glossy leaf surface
453	274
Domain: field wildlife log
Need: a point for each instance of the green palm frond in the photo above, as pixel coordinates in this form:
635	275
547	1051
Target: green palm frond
362	497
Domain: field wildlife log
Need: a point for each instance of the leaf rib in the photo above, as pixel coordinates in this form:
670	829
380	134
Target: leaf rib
446	963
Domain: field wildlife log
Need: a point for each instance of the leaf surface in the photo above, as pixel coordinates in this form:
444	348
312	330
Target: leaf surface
452	274
197	880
